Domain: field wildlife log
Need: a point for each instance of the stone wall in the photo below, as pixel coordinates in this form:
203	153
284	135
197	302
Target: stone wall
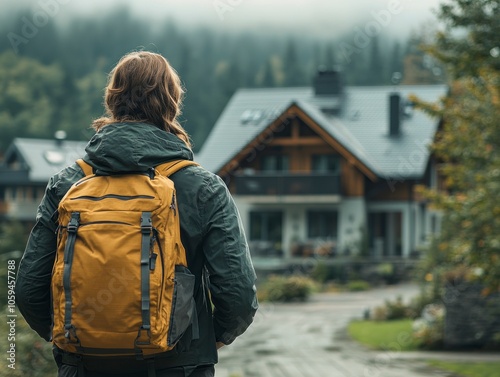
472	320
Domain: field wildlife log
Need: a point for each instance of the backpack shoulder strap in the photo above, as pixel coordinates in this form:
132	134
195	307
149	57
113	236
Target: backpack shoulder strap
169	168
87	169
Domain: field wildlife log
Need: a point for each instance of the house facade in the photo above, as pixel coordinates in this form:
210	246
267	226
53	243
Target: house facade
328	171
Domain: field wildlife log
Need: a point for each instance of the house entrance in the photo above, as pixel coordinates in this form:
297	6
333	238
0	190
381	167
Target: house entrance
385	234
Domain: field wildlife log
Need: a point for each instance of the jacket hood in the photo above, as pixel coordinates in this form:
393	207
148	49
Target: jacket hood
124	147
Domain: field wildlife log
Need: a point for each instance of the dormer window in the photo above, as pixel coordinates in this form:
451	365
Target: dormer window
54	157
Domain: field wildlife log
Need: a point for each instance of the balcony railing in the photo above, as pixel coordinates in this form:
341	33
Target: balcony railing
13	177
287	184
19	210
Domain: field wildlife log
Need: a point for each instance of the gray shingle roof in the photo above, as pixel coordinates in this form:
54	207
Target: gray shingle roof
362	127
43	157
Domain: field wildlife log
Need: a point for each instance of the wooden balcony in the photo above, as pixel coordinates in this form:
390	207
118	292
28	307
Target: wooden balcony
13	177
21	211
286	184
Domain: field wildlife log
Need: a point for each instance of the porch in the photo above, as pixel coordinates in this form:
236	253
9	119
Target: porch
283	232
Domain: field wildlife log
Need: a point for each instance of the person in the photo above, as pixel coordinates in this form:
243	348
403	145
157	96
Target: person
139	130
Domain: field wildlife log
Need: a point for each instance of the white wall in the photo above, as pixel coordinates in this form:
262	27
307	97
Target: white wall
294	215
352	214
294	227
244	209
352	218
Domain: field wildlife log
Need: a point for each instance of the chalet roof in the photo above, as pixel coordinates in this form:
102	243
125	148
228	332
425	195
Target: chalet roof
362	126
42	158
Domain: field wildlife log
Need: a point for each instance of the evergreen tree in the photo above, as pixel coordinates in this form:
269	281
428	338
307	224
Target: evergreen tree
294	75
419	66
396	63
29	93
330	58
481	48
268	80
79	52
375	74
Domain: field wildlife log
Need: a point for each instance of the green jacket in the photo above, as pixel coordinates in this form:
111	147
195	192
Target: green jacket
212	233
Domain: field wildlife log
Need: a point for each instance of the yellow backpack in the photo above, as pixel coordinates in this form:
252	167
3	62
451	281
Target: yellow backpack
120	282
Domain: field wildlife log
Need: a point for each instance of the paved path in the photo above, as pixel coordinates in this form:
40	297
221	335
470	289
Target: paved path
309	340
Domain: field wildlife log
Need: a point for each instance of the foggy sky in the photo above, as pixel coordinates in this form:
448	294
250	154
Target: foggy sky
317	18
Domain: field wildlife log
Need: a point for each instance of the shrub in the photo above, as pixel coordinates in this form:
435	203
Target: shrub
392	310
418	303
396	309
379	313
428	330
385	270
287	288
321	273
358	285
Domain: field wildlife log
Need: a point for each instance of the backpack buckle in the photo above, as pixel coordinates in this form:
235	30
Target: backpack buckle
70	334
151	173
139	341
146	223
74	222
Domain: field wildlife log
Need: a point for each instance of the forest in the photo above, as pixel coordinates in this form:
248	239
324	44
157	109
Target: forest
52	74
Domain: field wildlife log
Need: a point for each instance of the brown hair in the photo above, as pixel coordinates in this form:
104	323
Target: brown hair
143	87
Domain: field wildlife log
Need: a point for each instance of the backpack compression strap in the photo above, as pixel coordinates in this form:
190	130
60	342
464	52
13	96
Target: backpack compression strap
87	169
169	168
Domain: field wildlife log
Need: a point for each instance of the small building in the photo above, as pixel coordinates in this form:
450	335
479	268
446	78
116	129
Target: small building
329	170
27	167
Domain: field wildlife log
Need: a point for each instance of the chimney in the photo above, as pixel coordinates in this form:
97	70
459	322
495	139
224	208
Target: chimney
328	82
59	137
394	114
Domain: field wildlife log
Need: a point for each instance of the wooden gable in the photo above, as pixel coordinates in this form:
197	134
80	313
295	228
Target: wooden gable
295	135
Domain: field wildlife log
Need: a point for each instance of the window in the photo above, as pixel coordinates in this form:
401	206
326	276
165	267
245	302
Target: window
273	163
325	163
266	226
265	233
322	224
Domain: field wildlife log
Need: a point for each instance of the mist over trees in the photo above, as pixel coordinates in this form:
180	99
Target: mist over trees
53	74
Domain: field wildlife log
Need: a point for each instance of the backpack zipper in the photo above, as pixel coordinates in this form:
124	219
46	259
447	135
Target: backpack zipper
105	222
112	196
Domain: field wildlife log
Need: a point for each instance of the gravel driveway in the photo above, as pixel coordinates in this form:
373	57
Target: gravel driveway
309	340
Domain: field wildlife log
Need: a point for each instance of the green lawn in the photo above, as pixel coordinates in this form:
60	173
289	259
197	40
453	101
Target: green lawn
484	369
389	335
397	336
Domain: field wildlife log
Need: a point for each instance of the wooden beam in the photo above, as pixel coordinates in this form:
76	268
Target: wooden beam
295	130
304	141
335	144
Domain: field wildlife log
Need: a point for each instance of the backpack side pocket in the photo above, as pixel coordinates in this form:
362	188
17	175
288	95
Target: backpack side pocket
183	305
